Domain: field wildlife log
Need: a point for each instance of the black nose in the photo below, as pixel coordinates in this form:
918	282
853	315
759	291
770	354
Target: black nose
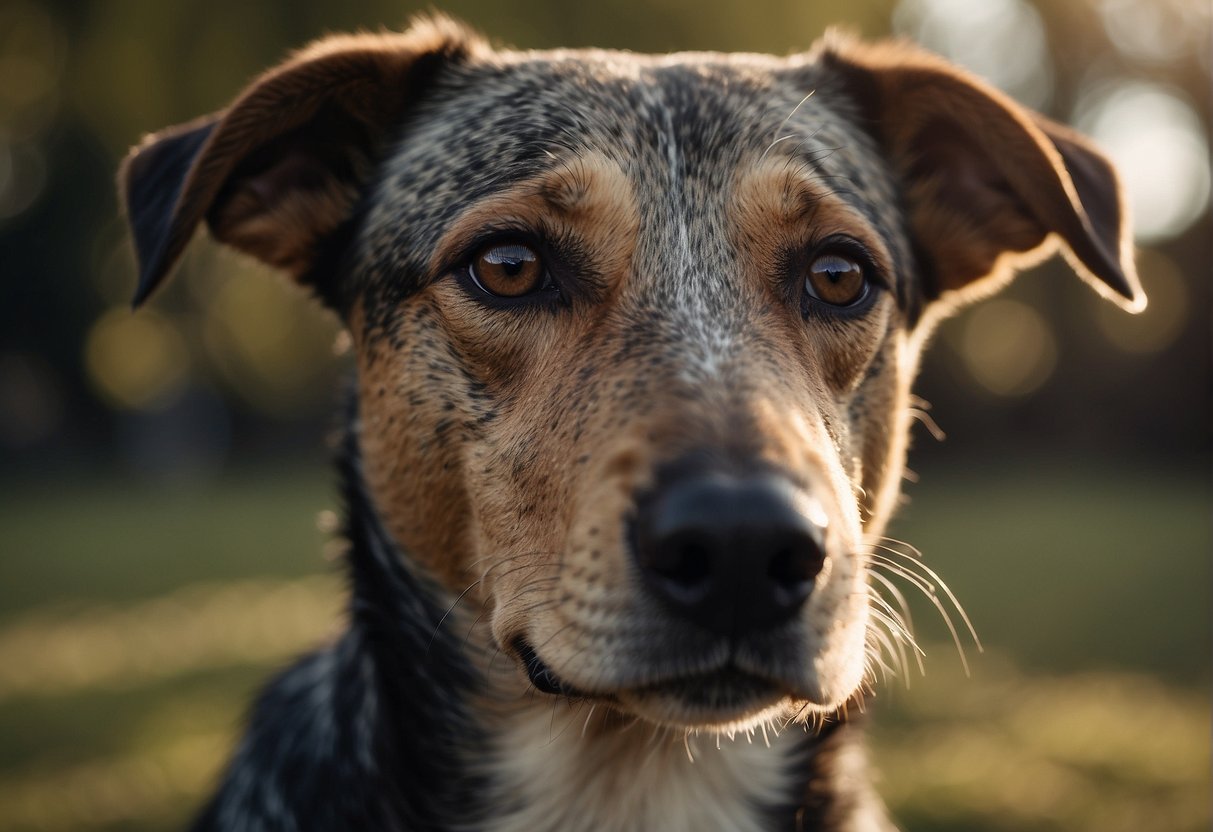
732	554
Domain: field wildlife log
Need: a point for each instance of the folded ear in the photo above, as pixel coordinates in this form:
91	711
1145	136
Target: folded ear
281	168
987	183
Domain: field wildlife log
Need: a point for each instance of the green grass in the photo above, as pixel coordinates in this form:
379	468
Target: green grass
1071	568
135	623
52	732
1011	751
117	541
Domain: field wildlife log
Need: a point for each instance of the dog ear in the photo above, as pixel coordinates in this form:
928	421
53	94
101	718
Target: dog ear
987	183
281	168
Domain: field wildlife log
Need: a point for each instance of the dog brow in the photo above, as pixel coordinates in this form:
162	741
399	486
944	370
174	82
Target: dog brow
586	190
773	194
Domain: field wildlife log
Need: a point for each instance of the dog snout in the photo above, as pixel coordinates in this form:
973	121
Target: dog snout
732	554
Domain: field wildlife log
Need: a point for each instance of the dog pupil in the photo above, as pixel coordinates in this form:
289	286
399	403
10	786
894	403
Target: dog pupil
511	260
834	268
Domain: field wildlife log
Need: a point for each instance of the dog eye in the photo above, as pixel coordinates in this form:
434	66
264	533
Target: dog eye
836	279
509	270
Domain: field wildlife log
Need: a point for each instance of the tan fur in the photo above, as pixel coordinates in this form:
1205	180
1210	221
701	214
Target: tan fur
587	196
778	207
284	233
415	477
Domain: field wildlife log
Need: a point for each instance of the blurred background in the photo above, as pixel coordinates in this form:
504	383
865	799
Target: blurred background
165	494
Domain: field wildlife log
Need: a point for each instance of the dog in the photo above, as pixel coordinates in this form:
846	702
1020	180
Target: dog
634	342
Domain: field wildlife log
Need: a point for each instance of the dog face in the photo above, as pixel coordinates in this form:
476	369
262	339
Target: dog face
635	334
655	305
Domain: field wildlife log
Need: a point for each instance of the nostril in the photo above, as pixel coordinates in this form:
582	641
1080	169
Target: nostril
792	570
783	567
795	563
685	563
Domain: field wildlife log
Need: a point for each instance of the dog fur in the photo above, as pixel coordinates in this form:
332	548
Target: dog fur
505	666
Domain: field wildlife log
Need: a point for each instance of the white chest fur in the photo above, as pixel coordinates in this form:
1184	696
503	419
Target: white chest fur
567	772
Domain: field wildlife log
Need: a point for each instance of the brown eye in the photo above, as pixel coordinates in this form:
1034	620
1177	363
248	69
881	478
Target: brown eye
836	280
509	270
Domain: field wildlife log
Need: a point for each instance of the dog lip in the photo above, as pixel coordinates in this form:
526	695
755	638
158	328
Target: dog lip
540	675
723	686
729	676
726	696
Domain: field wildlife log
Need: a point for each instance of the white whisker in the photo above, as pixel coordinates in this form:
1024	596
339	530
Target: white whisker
784	123
916	559
897	561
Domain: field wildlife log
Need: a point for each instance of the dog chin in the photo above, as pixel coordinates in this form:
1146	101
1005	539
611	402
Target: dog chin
722	706
725	701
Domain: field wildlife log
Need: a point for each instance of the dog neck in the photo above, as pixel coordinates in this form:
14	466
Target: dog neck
576	767
470	746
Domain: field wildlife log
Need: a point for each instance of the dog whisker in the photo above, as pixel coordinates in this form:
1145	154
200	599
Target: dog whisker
891	616
531	586
900	637
902	570
898	642
882	645
898	596
536	565
926	584
588	717
934	599
455	603
901	617
777	141
906	548
502	561
928	421
784	123
916	560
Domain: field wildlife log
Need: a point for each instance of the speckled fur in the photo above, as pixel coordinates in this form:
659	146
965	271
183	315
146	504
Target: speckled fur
496	449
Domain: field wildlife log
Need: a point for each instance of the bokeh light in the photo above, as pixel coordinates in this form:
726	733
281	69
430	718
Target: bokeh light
1164	319
136	361
1157	31
1001	40
1008	347
1160	148
32	57
267	340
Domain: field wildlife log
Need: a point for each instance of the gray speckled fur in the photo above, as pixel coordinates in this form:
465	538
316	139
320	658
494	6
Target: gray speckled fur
486	125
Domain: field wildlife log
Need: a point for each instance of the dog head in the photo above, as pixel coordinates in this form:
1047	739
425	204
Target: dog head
634	334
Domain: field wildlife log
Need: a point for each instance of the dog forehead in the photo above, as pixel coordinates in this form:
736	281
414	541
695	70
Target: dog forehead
507	117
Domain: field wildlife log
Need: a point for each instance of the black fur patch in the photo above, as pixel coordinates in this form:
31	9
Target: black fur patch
365	734
155	180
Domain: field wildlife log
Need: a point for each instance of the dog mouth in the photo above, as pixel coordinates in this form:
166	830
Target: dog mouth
728	690
540	675
721	695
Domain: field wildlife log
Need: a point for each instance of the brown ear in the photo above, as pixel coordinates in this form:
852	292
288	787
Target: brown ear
282	167
988	184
